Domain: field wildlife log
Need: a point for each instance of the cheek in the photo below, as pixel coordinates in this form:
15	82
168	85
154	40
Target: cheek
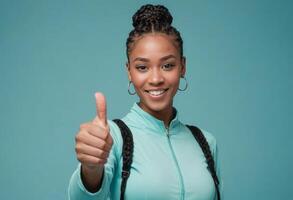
174	79
176	86
138	80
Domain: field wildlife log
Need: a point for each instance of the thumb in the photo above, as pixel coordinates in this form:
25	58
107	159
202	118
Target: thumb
101	107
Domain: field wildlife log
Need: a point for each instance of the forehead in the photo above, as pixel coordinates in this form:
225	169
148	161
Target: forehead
154	46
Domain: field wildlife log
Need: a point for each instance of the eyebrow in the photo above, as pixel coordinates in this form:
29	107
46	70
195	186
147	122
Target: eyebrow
147	60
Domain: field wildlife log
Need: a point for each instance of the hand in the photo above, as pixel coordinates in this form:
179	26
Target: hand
93	141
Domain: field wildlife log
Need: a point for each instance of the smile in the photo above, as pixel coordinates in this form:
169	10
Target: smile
156	92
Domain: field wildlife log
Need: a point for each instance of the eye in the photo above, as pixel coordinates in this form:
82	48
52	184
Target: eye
141	68
168	66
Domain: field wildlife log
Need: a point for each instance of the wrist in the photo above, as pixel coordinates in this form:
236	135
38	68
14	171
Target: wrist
92	177
91	168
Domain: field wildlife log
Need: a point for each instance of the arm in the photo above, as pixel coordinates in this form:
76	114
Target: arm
93	147
79	188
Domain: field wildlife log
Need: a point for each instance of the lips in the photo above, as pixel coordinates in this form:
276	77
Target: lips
156	92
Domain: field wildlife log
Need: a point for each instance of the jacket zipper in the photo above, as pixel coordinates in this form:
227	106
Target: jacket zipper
181	183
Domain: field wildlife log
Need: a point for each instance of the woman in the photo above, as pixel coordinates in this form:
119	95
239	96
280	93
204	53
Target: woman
168	163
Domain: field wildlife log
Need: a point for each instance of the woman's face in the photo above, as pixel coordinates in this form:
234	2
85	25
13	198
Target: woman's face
155	67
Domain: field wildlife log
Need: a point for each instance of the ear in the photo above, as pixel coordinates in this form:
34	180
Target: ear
183	66
128	70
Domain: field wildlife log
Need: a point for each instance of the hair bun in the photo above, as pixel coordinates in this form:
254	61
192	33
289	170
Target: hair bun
151	17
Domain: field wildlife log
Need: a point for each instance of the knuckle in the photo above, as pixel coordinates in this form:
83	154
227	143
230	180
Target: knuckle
77	136
103	136
82	126
105	154
101	154
78	148
106	134
103	145
79	157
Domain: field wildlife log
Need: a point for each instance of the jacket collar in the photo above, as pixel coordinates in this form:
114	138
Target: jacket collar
146	120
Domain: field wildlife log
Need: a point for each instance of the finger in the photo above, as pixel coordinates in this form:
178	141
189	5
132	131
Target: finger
94	130
101	107
93	141
92	151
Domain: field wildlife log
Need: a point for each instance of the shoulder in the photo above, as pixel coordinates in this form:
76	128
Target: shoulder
211	139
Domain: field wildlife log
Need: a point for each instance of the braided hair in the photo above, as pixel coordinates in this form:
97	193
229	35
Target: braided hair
152	19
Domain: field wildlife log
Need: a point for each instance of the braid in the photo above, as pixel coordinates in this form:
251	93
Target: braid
206	150
200	138
152	19
127	154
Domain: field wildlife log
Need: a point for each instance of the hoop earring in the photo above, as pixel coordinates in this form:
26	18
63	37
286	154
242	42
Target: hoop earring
129	92
186	84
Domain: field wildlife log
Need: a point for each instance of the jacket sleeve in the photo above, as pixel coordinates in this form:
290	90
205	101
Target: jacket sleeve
76	189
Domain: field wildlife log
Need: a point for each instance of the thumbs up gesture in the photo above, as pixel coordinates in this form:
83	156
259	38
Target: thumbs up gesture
93	141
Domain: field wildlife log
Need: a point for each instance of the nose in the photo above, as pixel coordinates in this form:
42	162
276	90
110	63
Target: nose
156	77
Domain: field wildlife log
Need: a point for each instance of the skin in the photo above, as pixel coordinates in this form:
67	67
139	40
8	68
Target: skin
93	143
154	63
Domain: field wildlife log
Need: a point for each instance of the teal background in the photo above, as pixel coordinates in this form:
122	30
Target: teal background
55	54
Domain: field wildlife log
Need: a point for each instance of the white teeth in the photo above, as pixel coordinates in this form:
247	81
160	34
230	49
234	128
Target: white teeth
156	92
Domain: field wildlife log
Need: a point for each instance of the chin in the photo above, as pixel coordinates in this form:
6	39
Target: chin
156	107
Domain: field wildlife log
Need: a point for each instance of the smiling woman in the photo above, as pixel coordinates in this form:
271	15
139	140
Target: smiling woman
150	153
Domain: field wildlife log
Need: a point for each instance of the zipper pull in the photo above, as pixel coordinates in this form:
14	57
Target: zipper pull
167	131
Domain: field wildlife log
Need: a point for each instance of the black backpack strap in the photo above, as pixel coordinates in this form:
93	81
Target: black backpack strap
127	152
200	138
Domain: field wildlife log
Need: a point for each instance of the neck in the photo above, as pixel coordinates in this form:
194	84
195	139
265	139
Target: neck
168	117
164	115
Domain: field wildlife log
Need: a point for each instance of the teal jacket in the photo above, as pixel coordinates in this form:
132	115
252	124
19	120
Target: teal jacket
168	163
